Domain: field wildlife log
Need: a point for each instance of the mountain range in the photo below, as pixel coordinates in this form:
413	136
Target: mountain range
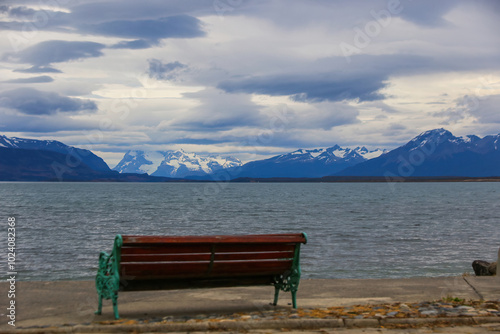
178	164
299	163
434	153
303	163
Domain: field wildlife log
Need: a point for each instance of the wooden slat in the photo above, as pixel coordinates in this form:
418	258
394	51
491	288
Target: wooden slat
263	238
253	256
204	257
164	270
164	257
167	249
229	268
206	248
252	248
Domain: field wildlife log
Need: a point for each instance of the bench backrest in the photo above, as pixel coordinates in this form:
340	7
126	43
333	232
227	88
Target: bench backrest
158	257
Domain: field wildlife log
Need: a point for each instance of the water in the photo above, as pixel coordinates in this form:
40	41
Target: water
355	230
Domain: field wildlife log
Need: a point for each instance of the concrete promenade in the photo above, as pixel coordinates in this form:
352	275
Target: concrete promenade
68	306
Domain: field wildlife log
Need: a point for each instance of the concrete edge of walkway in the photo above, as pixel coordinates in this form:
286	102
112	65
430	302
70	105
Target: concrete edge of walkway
301	324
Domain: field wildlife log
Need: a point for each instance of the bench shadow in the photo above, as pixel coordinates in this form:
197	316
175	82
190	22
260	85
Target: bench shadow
130	312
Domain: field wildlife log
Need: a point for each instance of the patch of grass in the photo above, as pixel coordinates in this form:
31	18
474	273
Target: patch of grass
451	299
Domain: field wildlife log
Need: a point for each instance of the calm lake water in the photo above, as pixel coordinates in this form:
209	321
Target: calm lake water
355	230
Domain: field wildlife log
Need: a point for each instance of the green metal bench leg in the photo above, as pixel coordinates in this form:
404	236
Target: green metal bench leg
294	298
115	306
99	306
276	294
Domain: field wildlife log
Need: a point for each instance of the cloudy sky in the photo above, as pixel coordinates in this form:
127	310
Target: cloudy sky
248	78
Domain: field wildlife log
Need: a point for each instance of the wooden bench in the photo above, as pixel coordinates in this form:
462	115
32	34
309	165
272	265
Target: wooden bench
139	263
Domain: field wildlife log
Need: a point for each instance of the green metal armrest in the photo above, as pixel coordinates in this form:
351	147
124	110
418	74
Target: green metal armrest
107	280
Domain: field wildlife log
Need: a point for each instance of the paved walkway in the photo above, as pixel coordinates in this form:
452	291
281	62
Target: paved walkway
328	303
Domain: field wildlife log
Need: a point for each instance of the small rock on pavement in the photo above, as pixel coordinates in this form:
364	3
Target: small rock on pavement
429	312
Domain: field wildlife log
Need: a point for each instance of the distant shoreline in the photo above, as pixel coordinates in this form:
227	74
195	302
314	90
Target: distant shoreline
369	179
326	179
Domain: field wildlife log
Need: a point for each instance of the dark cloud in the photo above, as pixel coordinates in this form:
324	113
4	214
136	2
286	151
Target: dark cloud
41	124
135	44
135	10
340	15
145	32
26	13
40	79
313	87
142	25
180	26
27	20
46	53
39	69
168	71
196	141
381	106
34	102
21	11
428	12
330	79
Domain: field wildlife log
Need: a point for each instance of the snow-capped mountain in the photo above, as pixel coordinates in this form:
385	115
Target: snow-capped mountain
306	163
75	155
178	164
49	160
436	153
334	153
328	156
